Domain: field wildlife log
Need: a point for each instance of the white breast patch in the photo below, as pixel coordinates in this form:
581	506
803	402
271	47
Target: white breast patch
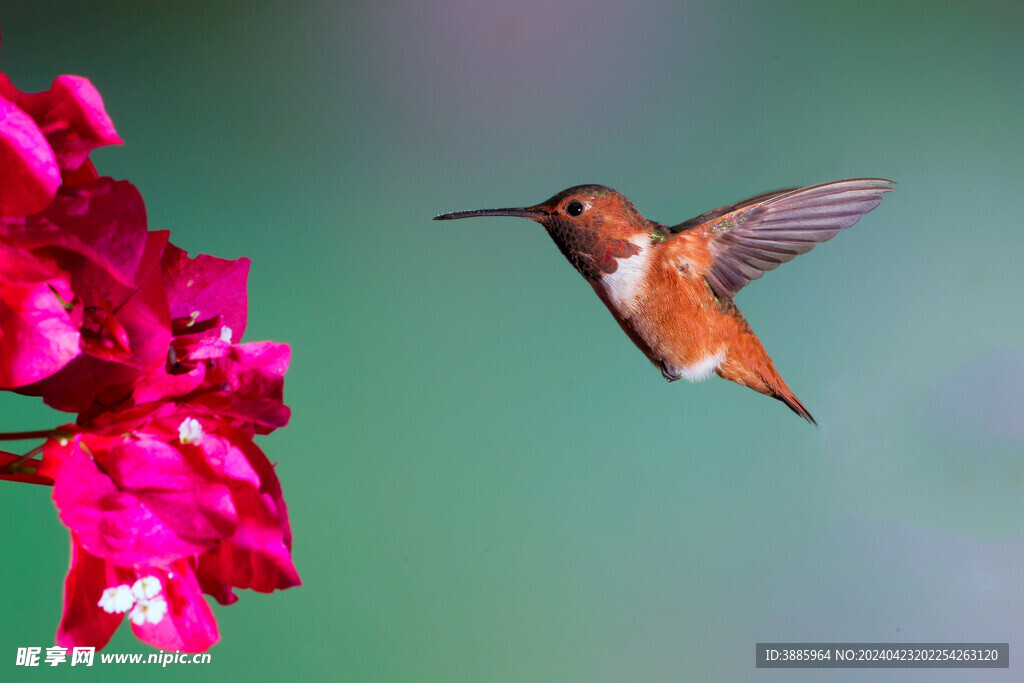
625	285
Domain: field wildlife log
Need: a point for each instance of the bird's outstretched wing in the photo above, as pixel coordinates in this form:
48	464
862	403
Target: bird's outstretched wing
758	234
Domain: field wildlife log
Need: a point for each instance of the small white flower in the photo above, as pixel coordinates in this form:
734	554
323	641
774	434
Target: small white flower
117	599
145	588
190	431
225	334
148	610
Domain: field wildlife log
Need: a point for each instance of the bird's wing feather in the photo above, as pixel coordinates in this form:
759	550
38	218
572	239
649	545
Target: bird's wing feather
721	211
757	235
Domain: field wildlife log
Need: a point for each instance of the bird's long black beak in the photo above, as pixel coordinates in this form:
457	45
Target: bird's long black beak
531	212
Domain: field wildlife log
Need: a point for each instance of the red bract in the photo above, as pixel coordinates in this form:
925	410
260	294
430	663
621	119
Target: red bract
29	177
100	223
125	334
71	116
63	272
258	556
189	496
241	383
84	623
205	287
37	334
42	135
137	499
166	607
45	134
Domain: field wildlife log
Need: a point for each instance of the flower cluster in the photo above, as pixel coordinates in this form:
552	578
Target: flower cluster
163	490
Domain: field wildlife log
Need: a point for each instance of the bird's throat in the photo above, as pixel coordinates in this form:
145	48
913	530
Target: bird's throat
593	254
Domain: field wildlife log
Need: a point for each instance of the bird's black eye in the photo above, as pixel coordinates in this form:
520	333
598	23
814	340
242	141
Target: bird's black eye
574	208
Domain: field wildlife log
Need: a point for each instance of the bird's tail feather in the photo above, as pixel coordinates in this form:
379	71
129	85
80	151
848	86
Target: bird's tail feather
747	363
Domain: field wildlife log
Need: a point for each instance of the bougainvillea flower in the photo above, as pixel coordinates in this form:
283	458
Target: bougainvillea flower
64	272
45	134
164	493
84	622
258	555
170	491
102	223
250	385
125	334
203	287
243	383
152	485
70	114
137	499
188	624
164	604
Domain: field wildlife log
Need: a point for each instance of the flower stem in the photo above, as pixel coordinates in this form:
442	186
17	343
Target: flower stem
19	436
13	466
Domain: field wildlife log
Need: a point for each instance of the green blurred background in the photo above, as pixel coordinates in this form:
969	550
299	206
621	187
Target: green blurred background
486	480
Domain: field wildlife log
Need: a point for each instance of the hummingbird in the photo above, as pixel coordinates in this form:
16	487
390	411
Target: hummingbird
671	288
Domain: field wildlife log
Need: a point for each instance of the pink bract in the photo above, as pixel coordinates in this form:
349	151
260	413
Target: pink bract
205	514
45	134
37	334
70	114
29	177
188	625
